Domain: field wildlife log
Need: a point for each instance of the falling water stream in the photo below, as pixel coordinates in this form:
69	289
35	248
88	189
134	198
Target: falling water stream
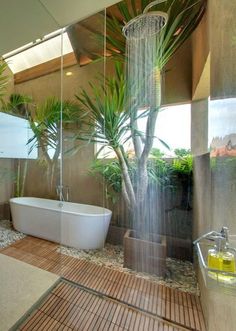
144	54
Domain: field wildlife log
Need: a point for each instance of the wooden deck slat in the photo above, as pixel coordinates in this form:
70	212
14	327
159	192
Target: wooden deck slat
174	305
128	319
76	320
29	323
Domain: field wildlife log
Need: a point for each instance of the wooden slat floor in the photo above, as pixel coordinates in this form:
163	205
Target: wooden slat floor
69	307
171	305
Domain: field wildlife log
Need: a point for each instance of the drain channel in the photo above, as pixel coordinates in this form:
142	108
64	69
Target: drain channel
126	305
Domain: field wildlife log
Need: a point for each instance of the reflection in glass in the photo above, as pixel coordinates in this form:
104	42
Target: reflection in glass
15	134
222	127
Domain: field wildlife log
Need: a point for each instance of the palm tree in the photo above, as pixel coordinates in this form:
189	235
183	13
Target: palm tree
45	122
183	17
109	118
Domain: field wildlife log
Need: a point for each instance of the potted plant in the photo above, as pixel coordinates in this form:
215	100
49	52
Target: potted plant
108	118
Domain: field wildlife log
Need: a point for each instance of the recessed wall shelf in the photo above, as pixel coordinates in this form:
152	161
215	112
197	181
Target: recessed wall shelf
214	278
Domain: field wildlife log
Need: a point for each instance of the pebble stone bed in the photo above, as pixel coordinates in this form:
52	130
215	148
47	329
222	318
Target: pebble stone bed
8	235
179	275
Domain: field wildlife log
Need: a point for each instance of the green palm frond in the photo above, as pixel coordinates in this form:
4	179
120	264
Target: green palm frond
18	105
45	123
102	112
110	171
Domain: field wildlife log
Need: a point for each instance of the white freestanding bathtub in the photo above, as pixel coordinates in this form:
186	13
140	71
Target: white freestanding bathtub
71	224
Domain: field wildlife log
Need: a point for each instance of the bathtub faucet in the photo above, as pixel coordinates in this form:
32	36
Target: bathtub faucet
60	192
67	193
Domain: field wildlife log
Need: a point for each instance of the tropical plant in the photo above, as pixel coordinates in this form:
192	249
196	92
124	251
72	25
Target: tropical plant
3	78
159	173
182	152
18	105
183	164
107	115
110	172
184	16
156	153
182	171
45	121
105	121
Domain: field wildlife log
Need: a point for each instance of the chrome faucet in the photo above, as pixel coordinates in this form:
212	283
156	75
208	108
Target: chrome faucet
67	193
214	236
60	192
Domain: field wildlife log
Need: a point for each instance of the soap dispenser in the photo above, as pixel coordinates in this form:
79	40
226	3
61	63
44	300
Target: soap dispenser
213	259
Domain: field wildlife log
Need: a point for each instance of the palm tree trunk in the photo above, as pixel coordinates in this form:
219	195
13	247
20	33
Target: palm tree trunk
127	187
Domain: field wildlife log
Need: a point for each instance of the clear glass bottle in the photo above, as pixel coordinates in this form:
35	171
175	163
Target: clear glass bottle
227	261
213	260
227	257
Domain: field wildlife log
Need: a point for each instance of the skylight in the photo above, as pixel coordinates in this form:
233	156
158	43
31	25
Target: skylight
40	51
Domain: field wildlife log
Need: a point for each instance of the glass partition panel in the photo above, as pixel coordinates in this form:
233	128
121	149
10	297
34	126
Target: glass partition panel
84	219
30	131
97	133
126	149
215	168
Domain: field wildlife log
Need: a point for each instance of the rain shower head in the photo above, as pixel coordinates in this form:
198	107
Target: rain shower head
146	24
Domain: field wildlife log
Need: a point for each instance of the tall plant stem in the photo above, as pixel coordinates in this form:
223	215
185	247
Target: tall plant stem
127	189
24	174
137	141
142	172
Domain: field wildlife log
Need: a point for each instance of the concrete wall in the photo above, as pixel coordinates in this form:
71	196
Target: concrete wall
6	179
83	187
223	48
7	165
214	189
177	87
200	50
50	85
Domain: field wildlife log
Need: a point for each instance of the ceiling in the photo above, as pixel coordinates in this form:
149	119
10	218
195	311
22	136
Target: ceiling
27	20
